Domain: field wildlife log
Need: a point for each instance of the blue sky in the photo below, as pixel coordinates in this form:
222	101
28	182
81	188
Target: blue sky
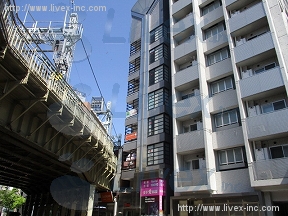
109	60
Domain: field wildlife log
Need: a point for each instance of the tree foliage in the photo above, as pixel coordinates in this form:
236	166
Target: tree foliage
11	199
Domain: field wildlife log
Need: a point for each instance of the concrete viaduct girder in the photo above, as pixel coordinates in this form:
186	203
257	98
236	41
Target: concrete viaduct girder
45	130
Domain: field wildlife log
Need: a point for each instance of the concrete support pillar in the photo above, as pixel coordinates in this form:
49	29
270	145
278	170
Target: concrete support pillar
90	200
55	209
268	202
73	209
63	211
31	204
43	201
115	206
26	206
48	204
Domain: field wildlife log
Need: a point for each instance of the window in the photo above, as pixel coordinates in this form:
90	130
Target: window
134	66
158	153
210	7
192	127
133	86
188	95
231	156
158	33
158	124
226	118
214	30
217	56
129	160
279	151
191	165
135	47
158	74
273	106
185	129
158	53
157	98
221	85
132	105
265	68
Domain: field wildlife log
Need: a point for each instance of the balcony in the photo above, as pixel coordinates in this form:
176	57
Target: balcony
219	70
212	17
183	24
132	97
131	120
233	181
177	6
187	75
134	75
131	117
215	41
228	138
223	100
270	169
185	48
261	82
196	177
254	47
188	106
201	2
246	17
190	141
127	174
229	2
267	124
129	145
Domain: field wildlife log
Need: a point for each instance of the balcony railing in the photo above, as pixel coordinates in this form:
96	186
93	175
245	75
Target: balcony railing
191	140
270	169
192	178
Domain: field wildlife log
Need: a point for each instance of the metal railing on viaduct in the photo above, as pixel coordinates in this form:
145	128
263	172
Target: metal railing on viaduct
51	145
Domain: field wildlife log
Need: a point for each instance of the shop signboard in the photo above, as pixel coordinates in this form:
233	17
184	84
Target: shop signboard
152	187
131	136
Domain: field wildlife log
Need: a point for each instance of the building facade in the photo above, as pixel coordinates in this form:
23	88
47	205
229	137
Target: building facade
147	155
223	71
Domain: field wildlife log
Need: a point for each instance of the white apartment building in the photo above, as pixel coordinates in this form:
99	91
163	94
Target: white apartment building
206	108
229	64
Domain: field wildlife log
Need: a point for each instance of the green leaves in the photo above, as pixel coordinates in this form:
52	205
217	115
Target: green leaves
11	199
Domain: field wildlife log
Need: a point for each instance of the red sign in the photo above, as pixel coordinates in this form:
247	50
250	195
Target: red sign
106	197
131	136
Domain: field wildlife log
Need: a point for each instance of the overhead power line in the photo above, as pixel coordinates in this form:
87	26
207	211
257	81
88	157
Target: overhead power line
95	79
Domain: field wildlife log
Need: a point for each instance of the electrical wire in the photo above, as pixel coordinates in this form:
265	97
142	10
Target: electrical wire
92	70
